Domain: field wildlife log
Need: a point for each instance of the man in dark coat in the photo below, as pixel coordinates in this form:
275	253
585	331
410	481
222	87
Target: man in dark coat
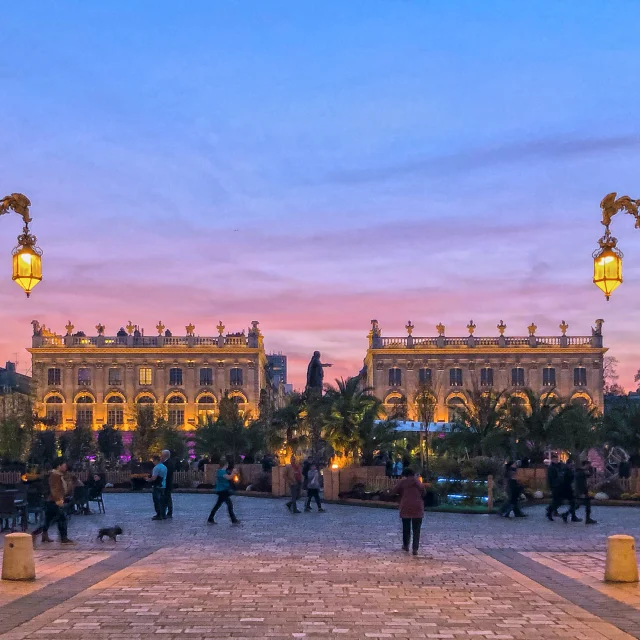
554	481
582	489
568	493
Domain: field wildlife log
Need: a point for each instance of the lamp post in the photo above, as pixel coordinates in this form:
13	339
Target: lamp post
607	260
27	256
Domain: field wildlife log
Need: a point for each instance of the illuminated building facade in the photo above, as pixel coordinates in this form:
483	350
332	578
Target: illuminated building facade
398	367
103	379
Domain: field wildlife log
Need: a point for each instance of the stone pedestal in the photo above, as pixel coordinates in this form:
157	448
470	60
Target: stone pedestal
622	564
18	562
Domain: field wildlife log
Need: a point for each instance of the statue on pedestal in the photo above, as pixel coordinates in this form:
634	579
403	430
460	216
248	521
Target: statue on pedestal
315	374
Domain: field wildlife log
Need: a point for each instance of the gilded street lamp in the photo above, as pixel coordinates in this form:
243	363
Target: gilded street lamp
607	260
27	256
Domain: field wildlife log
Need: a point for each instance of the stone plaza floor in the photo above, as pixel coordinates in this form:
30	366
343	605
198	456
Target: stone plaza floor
339	574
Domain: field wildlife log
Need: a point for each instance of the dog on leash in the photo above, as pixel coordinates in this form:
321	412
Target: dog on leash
109	532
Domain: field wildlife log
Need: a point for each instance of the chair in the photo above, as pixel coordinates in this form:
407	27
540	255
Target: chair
81	499
95	495
35	504
8	509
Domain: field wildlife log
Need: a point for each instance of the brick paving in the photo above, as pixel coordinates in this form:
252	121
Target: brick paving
334	575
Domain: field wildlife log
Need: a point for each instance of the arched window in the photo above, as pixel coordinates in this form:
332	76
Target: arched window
455	406
84	411
581	400
396	406
54	410
115	411
145	400
206	406
176	411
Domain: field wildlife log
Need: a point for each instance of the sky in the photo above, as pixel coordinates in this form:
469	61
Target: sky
315	165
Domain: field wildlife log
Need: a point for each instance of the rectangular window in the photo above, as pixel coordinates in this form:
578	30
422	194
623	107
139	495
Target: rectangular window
455	377
175	377
54	416
235	377
486	377
176	417
548	377
145	375
84	377
115	417
206	377
115	378
517	377
53	376
424	376
395	377
84	417
579	377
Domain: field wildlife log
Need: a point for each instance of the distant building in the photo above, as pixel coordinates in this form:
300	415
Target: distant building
103	379
569	367
15	391
277	365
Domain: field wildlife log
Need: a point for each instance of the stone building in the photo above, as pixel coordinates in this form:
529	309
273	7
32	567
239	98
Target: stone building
78	379
569	367
15	392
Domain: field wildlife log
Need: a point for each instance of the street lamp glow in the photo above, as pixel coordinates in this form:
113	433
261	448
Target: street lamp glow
27	262
607	268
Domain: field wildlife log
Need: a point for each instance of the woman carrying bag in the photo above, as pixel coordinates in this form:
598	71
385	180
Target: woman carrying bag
411	492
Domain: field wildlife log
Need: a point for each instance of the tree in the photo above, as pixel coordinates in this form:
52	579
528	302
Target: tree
533	424
146	437
287	426
171	439
479	425
15	439
78	443
110	442
375	436
44	448
426	402
347	404
621	428
610	376
575	429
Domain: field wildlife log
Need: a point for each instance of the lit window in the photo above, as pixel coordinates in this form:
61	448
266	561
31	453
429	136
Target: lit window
486	377
115	411
235	377
454	409
395	377
548	377
579	377
517	377
84	411
115	378
53	376
206	377
84	377
54	410
145	375
176	411
455	377
175	377
206	406
424	376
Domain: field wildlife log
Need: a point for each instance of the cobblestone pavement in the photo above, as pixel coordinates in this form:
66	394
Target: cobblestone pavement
334	575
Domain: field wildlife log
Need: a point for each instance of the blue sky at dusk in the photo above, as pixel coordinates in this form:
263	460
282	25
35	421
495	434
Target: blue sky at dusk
316	165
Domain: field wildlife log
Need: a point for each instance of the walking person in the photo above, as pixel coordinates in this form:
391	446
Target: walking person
568	493
397	468
582	489
293	477
514	489
313	488
170	463
224	488
159	484
555	483
411	493
54	505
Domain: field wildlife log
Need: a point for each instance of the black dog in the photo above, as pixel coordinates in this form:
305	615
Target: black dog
110	532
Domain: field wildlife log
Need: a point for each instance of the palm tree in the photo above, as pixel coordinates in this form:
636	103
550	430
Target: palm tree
287	426
479	427
348	403
575	428
426	402
621	428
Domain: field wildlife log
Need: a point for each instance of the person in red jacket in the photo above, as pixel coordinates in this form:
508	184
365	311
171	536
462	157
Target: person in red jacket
411	493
